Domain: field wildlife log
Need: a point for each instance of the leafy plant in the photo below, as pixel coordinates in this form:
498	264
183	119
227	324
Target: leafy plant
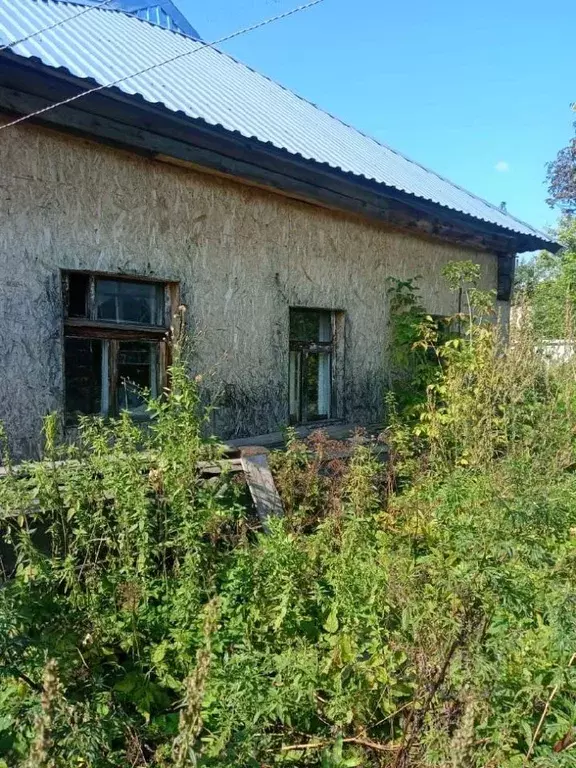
546	288
427	621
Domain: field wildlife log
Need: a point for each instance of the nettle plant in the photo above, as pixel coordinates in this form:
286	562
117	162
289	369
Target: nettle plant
428	621
419	342
116	543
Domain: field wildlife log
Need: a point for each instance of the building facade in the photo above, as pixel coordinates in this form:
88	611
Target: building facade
107	228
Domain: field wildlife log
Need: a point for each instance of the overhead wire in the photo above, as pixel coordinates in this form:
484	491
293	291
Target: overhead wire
53	26
150	67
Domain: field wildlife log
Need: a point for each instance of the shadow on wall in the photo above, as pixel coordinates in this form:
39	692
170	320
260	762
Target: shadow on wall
244	411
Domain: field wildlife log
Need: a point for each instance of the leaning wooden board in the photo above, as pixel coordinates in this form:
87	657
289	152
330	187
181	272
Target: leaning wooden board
259	478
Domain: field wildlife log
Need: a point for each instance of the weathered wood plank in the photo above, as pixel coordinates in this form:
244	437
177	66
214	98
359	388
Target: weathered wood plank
334	430
261	483
101	330
204	467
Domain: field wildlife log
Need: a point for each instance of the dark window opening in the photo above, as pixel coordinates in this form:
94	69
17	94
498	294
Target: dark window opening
78	290
115	345
83	363
311	361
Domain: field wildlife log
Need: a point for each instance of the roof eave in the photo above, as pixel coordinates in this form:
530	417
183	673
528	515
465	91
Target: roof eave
32	76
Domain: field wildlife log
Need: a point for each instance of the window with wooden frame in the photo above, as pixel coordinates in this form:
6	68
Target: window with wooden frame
115	342
311	365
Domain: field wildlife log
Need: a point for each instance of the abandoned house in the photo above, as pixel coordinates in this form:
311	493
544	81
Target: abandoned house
182	176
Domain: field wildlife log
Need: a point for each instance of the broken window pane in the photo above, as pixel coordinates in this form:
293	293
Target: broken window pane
83	373
126	302
78	290
137	375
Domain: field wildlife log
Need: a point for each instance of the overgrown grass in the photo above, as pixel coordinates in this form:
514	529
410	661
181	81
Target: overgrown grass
415	613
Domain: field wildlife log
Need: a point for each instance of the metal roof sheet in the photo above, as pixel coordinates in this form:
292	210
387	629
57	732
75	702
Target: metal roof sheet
163	13
105	45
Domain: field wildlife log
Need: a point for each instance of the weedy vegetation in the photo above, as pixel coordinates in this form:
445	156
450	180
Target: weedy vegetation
409	613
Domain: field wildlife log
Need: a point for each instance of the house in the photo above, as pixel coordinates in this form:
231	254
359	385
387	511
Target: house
202	182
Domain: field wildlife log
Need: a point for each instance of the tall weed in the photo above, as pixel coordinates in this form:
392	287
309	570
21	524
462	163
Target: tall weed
415	613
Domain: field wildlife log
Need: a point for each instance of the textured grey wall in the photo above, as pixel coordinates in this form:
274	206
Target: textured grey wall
243	257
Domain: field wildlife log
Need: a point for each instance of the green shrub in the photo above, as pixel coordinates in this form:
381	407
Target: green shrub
419	613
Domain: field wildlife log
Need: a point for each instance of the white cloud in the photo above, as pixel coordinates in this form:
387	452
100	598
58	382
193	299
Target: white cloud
502	166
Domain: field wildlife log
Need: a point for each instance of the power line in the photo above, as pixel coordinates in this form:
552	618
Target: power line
149	68
53	26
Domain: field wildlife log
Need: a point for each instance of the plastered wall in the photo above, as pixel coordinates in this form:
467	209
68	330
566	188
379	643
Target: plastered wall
242	256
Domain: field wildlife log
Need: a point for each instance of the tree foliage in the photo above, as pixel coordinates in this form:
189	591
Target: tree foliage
561	177
546	286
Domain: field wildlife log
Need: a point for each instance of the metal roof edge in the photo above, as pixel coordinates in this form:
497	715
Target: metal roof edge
536	238
376	141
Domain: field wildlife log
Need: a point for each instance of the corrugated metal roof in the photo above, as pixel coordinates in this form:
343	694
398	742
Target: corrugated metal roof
164	16
105	45
163	13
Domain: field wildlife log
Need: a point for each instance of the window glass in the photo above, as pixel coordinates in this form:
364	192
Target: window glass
310	325
325	326
324	390
125	302
316	386
295	384
310	370
83	372
136	372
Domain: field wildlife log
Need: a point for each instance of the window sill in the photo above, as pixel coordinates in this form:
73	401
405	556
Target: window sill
78	326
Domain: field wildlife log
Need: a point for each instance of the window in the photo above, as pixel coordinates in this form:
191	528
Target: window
115	342
311	362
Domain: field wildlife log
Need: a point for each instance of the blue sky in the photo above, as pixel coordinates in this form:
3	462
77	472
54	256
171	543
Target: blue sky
479	93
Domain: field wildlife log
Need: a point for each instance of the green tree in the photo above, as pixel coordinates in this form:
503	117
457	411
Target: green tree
561	177
547	282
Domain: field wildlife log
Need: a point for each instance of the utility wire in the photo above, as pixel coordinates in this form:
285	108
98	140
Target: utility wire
53	26
149	68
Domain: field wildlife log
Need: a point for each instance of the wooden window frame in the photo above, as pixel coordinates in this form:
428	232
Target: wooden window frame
114	332
311	347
